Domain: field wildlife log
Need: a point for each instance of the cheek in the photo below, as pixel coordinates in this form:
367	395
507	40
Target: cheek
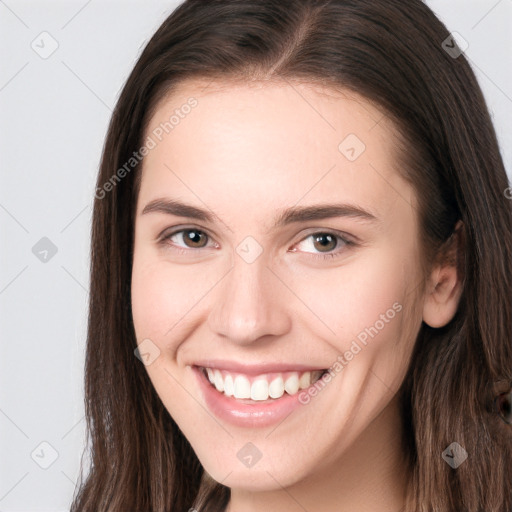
163	295
382	320
369	315
151	301
350	299
163	299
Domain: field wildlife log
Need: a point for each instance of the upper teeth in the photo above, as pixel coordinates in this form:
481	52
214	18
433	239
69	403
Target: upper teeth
263	386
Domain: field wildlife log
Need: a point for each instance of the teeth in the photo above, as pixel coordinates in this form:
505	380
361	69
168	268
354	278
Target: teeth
259	390
276	388
219	381
229	387
291	384
305	380
263	386
242	387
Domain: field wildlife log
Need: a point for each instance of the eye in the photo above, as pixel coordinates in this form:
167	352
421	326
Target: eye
325	242
190	238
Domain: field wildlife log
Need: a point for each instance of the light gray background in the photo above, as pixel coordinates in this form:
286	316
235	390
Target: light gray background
53	118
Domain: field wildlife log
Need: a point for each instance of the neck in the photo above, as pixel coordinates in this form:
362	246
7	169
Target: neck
370	477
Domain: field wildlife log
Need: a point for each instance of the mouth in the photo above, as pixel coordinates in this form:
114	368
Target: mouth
265	387
257	395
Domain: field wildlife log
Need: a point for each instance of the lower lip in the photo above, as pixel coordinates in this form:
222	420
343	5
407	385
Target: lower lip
256	414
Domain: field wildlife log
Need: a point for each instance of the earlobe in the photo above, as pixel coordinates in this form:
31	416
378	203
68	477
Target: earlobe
444	288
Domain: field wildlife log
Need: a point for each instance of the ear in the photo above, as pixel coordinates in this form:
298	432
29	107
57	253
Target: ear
445	283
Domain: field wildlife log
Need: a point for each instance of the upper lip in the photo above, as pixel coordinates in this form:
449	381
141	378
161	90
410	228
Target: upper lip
255	368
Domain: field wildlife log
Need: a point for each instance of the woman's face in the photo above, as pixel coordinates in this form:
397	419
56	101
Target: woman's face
297	252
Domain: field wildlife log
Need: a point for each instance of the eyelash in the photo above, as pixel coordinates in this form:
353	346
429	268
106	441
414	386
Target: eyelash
345	241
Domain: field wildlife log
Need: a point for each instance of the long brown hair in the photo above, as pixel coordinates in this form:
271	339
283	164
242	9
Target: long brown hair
392	53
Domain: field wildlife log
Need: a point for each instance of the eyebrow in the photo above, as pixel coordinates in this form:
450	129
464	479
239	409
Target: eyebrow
288	216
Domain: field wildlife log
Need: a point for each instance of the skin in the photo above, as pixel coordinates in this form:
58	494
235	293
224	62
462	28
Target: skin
246	152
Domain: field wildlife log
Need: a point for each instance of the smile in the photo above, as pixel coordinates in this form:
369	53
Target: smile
251	397
261	387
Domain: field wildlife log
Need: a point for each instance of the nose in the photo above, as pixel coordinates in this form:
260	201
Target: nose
249	304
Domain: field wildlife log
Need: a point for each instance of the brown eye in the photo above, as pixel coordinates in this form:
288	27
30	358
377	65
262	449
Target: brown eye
191	238
324	242
194	238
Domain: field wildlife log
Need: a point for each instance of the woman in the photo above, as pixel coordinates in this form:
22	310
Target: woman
301	231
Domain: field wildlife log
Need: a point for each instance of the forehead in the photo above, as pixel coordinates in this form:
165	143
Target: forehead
274	104
269	143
